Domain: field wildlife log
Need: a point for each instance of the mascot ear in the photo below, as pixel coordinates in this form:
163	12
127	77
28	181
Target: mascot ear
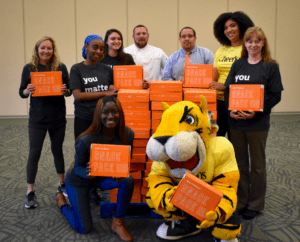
203	103
165	106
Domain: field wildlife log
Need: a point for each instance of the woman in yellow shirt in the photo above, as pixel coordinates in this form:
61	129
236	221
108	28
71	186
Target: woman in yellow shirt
229	30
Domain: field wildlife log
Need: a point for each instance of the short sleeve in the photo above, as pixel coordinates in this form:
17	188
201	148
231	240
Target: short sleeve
75	78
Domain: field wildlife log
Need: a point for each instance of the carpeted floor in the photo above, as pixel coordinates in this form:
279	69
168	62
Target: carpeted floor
280	221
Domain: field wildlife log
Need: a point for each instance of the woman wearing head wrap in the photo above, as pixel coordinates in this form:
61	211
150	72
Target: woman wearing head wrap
47	113
229	30
249	130
108	127
89	81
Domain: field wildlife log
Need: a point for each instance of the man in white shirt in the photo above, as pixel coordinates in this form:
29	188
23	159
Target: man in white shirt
152	58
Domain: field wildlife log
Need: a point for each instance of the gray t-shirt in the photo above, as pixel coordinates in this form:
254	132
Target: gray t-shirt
89	78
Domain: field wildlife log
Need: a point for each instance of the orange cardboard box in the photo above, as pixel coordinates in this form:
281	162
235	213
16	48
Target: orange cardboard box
155	123
137	175
198	75
110	160
138	158
139	150
134	167
146	173
143	199
246	97
140	142
128	77
166	86
157	105
210	106
137	115
130	95
141	133
156	114
195	196
148	165
144	190
153	130
138	183
192	94
145	183
46	83
166	96
138	124
135	106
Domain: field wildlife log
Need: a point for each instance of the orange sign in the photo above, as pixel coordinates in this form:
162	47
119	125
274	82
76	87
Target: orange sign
198	75
192	94
128	77
195	196
131	95
46	83
166	86
110	160
246	97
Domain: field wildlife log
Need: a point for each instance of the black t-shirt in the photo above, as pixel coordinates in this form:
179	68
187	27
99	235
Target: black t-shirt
116	61
78	177
45	112
89	78
242	72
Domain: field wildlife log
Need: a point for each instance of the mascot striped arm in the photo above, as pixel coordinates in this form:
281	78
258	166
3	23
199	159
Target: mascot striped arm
183	143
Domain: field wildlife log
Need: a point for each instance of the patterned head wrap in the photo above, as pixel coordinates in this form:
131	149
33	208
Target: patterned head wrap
88	39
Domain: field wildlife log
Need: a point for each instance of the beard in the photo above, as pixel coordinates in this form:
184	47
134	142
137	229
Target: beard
141	43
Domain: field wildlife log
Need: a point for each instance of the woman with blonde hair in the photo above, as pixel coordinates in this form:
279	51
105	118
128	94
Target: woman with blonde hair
47	113
249	129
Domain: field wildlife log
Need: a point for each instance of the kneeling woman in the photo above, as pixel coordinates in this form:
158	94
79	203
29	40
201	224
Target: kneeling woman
108	127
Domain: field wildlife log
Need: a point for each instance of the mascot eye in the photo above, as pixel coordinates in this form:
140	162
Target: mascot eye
189	119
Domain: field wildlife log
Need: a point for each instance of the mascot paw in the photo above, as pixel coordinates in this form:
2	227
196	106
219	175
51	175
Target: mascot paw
169	206
212	217
173	230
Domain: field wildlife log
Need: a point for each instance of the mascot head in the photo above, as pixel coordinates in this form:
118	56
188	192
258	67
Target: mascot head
182	137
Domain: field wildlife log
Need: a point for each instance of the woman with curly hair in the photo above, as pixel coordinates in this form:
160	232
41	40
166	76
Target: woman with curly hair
249	130
108	127
46	113
229	30
113	50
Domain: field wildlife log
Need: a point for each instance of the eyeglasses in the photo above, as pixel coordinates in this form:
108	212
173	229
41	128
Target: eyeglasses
189	36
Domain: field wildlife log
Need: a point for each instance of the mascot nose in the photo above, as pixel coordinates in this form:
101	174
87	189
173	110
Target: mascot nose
162	139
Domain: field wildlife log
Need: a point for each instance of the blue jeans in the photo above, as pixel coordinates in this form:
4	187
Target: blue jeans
79	213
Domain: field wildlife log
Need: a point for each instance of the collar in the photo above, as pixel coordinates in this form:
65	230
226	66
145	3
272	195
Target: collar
192	51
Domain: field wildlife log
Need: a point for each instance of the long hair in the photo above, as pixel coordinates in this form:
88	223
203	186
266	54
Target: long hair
121	54
265	51
242	19
96	125
54	62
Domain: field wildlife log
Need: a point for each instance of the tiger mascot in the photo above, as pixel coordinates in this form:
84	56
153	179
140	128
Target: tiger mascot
183	143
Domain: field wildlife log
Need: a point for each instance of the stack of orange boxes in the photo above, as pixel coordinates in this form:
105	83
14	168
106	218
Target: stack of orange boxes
196	82
135	104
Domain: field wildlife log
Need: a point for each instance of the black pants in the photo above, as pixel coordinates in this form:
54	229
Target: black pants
36	140
222	119
81	125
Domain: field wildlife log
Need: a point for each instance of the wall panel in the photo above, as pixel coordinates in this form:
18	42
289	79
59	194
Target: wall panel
56	19
160	18
12	57
288	53
200	15
96	17
262	13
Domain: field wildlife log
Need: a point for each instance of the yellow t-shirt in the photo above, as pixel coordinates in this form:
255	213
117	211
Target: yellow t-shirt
224	58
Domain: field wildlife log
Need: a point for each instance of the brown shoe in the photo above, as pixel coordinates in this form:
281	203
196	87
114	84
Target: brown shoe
118	228
60	200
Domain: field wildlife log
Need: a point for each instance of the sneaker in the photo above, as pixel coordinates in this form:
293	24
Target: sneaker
249	214
174	230
31	201
63	189
233	240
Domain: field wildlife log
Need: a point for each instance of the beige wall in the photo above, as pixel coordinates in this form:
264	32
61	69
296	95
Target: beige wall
22	22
